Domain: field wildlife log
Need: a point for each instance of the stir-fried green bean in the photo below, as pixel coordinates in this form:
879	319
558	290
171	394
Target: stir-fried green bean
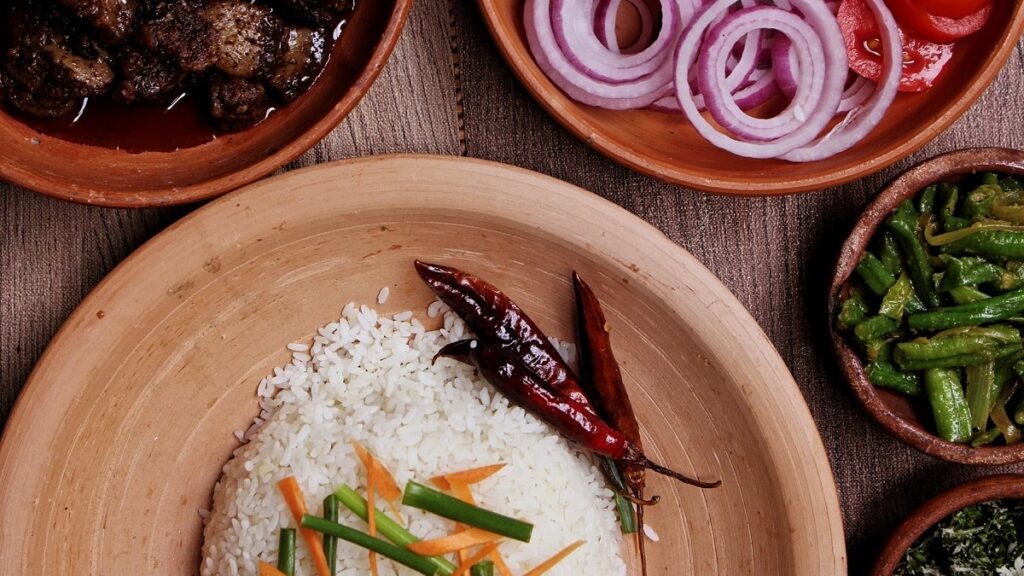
936	302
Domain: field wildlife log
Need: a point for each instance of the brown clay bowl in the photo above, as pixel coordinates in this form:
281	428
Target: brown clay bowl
892	410
111	177
987	488
666	147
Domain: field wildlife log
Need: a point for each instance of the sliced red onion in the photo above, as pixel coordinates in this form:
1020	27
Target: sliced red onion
785	65
576	83
667	105
607	16
572	23
819	44
762	89
863	119
856	93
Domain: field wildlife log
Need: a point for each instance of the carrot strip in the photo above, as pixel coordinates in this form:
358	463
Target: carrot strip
386	484
371	507
452	543
483	553
289	488
471	476
499	563
551	562
269	570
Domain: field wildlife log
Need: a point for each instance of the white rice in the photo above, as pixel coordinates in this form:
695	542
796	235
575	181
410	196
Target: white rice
370	379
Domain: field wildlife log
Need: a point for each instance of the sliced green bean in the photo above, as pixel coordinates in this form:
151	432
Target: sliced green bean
949	407
905	226
970	271
971	314
878	350
947	198
885	376
950	351
966	294
853	310
897	298
1003	244
978	204
386	526
286	551
875	328
985	438
889	253
874	274
981	393
419	496
404	557
926	199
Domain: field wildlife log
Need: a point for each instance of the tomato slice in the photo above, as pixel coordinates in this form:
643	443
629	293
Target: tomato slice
952	8
913	16
923	61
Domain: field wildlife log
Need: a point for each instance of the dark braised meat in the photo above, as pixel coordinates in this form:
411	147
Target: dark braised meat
114	19
250	55
237	102
148	77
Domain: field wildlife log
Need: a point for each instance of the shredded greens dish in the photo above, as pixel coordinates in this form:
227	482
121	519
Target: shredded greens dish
980	540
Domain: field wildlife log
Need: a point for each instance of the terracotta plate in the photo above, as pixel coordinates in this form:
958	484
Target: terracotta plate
124	426
110	177
666	147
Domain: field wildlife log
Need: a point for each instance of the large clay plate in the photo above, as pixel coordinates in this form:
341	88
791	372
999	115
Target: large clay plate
666	147
124	425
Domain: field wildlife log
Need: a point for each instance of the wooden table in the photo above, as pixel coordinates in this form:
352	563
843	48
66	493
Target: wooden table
447	91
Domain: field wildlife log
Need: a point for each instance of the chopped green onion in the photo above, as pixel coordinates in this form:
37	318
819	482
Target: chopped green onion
387	527
286	552
419	496
627	516
330	542
483	568
386	549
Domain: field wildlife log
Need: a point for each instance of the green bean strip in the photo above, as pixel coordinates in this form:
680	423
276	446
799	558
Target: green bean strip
986	437
981	395
966	294
885	376
948	197
853	310
896	299
874	328
286	551
970	271
991	244
401	555
950	351
904	225
971	314
949	407
926	200
874	274
330	542
878	350
978	204
889	253
482	568
419	496
386	526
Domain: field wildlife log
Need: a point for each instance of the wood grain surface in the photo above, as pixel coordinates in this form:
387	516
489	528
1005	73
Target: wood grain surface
447	91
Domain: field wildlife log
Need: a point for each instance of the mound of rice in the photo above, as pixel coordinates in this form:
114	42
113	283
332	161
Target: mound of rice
370	379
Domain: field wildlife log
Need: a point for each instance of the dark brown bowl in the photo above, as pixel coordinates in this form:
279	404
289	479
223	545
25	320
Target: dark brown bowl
892	410
1002	487
111	177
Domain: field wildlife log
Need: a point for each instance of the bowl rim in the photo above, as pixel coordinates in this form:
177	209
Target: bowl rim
935	509
907	185
64	189
589	132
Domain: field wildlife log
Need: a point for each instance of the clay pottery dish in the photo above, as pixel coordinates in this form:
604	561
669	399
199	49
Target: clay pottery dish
111	177
125	424
984	489
667	148
894	411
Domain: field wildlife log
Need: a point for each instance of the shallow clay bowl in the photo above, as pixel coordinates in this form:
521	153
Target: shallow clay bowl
110	177
666	147
984	489
895	412
126	422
